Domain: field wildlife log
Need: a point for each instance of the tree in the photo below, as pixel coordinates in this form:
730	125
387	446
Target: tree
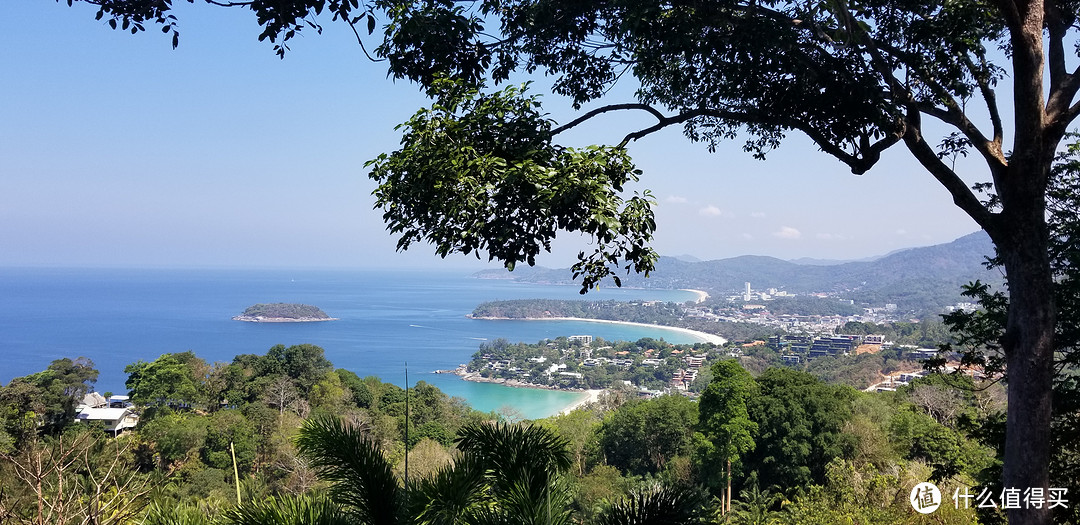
229	429
49	396
640	437
856	77
655	506
363	482
506	473
723	415
799	422
281	393
305	363
169	379
77	477
577	427
981	334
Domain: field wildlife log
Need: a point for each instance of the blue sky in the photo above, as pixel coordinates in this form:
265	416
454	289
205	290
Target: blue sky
116	150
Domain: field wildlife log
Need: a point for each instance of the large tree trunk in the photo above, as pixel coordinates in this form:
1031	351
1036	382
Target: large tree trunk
727	500
1029	349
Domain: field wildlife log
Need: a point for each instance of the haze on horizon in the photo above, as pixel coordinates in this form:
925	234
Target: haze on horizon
116	150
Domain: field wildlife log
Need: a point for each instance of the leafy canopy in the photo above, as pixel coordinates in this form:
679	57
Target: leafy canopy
480	170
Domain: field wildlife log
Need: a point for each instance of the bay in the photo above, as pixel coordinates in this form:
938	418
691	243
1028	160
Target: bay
387	318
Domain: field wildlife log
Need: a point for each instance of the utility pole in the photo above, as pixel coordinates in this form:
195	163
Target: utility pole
406	428
236	472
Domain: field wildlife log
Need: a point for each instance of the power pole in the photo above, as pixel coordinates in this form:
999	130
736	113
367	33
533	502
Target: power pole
406	428
236	472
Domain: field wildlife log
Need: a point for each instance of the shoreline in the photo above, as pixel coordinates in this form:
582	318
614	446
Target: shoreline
703	336
591	396
261	319
585	397
701	294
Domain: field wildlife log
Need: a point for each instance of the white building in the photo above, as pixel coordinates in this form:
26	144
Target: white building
117	412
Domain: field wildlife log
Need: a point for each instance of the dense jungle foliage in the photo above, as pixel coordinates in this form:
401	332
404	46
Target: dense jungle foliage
315	444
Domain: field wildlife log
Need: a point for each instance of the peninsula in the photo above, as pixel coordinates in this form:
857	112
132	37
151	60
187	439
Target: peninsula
283	313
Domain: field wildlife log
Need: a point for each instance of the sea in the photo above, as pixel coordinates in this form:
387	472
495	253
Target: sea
388	320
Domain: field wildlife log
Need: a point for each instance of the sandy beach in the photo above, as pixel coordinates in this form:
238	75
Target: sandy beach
585	397
701	336
588	396
701	294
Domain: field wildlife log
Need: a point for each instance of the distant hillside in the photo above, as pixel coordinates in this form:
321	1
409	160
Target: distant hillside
916	279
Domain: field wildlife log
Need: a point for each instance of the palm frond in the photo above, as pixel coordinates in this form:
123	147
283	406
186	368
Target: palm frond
522	463
288	511
454	493
363	480
537	501
516	448
174	515
656	506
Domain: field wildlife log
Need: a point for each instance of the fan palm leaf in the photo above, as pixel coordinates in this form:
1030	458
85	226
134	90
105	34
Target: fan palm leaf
655	506
457	493
522	465
288	511
363	480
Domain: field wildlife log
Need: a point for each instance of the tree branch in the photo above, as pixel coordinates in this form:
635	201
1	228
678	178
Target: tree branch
669	121
230	4
859	163
963	197
1055	52
360	40
954	116
605	109
1063	85
989	96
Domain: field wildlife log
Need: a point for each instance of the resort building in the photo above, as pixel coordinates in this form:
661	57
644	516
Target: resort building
116	412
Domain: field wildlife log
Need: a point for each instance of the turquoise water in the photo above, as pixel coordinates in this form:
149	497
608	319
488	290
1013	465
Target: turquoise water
387	318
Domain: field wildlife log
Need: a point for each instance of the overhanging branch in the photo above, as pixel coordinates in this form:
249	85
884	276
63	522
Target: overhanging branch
606	109
989	97
962	196
860	162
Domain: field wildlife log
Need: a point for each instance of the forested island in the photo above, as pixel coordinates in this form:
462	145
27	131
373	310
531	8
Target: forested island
283	313
652	312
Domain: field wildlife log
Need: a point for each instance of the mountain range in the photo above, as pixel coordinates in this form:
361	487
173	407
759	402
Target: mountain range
922	279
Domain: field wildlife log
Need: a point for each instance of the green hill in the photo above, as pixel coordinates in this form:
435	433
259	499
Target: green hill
917	279
283	311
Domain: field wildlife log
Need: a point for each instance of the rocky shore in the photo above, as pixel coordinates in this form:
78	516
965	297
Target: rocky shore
283	313
475	377
261	319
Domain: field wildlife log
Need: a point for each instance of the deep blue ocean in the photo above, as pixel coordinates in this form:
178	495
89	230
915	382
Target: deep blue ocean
387	318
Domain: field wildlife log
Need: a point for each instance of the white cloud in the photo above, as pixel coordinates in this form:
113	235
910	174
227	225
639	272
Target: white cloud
675	199
747	236
901	231
710	211
787	232
758	215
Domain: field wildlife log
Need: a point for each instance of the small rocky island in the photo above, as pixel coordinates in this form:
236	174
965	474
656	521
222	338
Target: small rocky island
283	313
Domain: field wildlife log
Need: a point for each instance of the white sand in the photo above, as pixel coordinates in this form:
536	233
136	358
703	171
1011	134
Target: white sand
701	336
589	396
701	295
